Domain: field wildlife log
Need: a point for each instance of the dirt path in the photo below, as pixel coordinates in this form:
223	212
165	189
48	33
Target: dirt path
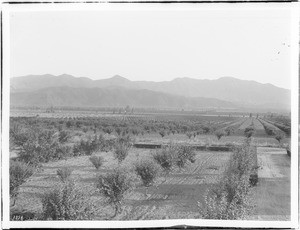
273	189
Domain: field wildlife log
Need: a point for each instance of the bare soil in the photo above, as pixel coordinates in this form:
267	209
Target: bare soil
172	196
273	201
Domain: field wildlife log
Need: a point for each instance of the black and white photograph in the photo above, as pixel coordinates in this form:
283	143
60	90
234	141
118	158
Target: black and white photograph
150	114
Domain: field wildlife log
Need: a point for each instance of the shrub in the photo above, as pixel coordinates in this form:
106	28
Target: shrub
87	147
66	202
41	147
62	152
40	152
288	150
69	124
147	171
107	130
18	174
249	131
118	131
229	199
97	161
64	173
230	202
125	139
121	151
189	134
17	135
162	133
206	129
184	154
113	187
219	134
279	136
164	158
229	131
63	136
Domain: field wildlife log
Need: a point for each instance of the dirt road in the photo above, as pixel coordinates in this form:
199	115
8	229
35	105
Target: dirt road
273	198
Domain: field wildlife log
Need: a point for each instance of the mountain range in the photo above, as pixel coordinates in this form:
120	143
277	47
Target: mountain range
225	92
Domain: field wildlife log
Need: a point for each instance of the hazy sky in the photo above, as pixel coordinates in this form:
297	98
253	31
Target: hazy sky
154	45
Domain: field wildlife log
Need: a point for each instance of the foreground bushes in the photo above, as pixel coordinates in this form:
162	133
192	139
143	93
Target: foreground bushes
66	202
220	133
113	187
41	146
147	171
89	146
229	199
174	155
183	155
121	148
164	157
18	174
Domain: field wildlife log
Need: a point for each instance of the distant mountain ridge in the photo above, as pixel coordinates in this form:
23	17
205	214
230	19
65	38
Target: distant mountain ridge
111	96
239	92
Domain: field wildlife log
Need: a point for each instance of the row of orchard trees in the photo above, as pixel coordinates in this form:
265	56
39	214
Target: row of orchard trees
67	202
229	199
36	146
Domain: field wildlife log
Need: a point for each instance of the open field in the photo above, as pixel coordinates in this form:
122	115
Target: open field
273	194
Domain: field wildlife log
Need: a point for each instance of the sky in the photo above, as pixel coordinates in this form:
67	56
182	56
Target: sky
154	45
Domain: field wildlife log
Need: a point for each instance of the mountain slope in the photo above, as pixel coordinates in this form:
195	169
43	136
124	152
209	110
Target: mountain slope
249	93
241	92
34	82
114	96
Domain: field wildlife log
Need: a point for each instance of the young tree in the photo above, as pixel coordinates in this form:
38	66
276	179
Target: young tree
189	134
118	131
279	136
229	131
121	151
66	202
97	161
64	173
162	133
63	136
164	158
147	171
18	174
219	134
183	155
249	131
113	186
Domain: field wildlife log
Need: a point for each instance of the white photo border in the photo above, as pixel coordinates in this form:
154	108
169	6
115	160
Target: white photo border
9	8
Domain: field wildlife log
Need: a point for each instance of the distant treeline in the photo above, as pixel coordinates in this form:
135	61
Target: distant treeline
135	110
111	109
